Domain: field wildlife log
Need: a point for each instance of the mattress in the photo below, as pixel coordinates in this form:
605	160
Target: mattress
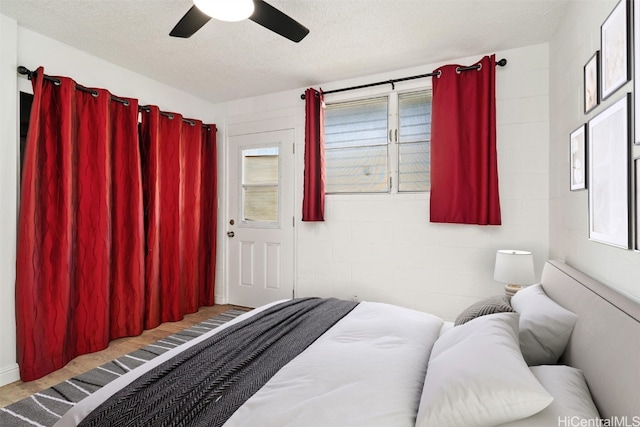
377	353
384	365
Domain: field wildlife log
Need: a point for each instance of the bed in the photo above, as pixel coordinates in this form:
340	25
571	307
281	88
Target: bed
563	352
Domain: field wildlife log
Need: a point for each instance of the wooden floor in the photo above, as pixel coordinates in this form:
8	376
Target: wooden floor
19	390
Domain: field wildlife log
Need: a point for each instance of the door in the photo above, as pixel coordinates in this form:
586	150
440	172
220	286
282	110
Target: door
260	238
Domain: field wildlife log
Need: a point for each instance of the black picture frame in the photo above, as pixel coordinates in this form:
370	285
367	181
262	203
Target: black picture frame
636	68
609	179
591	86
578	159
615	49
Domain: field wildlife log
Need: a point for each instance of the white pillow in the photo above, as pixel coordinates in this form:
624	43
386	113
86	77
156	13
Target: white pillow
572	401
477	377
545	326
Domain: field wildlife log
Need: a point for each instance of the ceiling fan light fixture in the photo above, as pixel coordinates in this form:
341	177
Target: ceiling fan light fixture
226	10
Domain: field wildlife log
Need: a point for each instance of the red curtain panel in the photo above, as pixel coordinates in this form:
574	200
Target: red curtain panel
163	179
180	211
150	165
90	255
464	171
127	232
116	231
314	172
191	219
208	216
65	263
171	222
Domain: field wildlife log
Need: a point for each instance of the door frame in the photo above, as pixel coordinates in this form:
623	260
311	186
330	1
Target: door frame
246	125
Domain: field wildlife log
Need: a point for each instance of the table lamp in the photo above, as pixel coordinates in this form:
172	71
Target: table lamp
515	268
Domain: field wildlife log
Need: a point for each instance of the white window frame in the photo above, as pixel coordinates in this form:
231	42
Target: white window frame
393	125
258	224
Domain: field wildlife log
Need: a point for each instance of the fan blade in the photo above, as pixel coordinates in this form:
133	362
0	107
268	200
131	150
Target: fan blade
191	22
278	22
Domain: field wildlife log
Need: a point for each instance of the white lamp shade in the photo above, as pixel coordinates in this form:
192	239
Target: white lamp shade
514	267
226	10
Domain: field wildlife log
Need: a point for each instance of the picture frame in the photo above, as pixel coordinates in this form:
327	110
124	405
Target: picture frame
592	82
578	158
636	77
609	175
614	44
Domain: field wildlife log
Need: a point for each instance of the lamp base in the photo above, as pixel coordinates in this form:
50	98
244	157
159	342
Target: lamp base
510	290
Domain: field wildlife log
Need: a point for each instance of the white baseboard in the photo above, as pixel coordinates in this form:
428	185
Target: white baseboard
9	374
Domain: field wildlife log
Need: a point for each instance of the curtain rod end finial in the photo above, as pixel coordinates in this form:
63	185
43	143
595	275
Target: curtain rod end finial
502	62
25	71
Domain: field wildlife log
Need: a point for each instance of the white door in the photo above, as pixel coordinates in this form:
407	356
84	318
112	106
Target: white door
260	238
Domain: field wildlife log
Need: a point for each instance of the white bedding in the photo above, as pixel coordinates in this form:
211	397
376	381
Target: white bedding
85	406
340	396
375	356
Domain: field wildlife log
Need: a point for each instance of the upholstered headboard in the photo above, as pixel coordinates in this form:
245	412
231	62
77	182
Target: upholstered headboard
605	343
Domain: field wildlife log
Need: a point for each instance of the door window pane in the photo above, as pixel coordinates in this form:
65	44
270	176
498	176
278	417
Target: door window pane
260	185
261	204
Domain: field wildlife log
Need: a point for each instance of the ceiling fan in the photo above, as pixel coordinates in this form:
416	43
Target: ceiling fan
236	10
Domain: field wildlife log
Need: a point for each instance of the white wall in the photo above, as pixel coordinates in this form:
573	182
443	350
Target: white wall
382	247
8	190
20	46
575	41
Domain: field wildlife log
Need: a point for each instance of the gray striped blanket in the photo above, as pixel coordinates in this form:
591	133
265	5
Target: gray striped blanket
205	384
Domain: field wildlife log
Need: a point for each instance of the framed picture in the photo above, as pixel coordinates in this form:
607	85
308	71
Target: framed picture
592	82
614	56
577	158
636	77
608	156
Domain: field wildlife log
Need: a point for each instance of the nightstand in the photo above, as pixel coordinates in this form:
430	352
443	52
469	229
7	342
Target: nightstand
510	290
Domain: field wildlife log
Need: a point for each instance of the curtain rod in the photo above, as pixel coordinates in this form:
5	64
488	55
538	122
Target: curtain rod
393	82
27	72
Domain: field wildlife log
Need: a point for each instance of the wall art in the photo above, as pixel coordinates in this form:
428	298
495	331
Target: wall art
609	177
577	158
614	45
592	82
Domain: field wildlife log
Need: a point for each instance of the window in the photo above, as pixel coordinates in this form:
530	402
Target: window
414	140
260	184
370	142
356	149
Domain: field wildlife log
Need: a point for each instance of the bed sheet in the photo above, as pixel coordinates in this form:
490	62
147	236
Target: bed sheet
374	358
368	370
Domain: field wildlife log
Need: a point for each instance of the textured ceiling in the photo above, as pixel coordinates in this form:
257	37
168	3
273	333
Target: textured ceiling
348	38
